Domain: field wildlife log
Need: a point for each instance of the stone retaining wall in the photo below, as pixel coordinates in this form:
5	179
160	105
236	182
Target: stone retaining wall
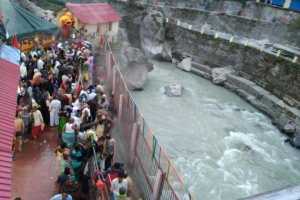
274	32
275	74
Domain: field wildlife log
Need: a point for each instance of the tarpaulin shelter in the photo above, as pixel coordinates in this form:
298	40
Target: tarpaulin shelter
9	70
22	23
94	19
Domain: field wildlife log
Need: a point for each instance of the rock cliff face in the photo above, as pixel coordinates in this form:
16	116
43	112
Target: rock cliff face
152	35
133	63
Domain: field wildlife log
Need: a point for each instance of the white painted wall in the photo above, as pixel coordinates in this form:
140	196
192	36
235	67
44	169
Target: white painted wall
95	30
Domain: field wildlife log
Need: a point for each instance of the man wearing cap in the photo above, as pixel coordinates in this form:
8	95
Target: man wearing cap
38	121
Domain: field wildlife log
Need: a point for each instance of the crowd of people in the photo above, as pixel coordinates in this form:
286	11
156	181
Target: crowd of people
56	93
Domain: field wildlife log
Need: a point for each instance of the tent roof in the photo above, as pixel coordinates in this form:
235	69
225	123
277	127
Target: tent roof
94	13
22	22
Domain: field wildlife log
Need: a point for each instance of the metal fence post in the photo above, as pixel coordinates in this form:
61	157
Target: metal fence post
133	143
114	81
158	185
109	67
120	111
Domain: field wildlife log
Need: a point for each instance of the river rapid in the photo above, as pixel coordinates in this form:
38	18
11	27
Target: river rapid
224	148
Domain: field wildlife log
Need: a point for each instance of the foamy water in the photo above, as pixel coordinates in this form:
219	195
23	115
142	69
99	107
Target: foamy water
224	148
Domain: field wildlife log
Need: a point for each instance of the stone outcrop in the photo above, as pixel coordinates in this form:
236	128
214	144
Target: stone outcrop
134	65
152	34
290	127
173	90
219	75
185	64
296	140
136	75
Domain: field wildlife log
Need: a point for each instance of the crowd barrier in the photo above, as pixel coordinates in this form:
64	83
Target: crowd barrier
150	166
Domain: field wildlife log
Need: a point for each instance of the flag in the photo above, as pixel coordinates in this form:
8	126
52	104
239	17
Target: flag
14	42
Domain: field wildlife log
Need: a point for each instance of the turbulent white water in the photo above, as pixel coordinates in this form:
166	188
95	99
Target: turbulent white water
224	148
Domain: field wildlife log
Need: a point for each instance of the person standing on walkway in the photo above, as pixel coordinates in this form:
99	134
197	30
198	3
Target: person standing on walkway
23	71
90	63
110	149
68	136
26	116
54	109
119	184
44	106
19	126
40	63
38	122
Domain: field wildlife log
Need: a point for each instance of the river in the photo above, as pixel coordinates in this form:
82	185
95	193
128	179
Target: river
224	148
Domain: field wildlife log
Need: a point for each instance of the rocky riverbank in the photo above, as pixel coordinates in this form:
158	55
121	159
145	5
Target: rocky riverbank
268	82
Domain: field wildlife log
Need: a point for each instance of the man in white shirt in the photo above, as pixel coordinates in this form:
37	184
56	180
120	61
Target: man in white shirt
23	70
40	63
117	183
23	57
54	108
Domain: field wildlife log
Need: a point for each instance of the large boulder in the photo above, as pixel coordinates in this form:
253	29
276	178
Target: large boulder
152	34
185	64
136	75
137	67
134	65
296	140
290	127
219	75
134	55
173	90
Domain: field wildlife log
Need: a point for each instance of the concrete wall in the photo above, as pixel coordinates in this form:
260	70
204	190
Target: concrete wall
275	74
274	32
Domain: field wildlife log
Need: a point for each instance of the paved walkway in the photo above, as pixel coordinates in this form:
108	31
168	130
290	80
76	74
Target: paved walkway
35	169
